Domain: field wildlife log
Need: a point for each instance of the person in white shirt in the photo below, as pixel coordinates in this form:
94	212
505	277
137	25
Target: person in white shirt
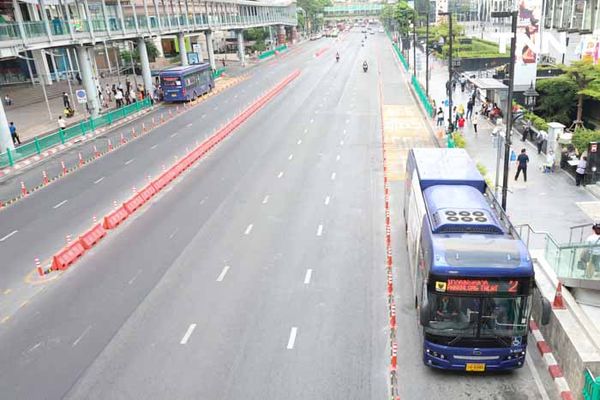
62	124
580	171
593	254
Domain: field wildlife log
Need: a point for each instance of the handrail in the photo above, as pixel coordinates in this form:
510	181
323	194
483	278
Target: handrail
581	226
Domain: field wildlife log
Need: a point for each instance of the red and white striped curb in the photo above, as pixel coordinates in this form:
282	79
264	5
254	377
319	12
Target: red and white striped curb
555	370
80	139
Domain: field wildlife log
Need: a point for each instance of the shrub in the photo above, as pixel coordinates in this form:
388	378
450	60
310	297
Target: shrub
459	140
538	122
582	137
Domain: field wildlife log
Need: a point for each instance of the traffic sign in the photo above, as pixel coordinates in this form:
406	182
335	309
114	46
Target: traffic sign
81	96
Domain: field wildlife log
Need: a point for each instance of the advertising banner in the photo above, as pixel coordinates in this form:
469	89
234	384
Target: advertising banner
528	32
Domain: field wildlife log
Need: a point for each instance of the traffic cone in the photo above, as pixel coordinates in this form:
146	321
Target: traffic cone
177	110
558	303
110	146
390	284
162	118
393	317
153	122
45	178
170	114
115	205
81	162
134	190
64	168
133	132
94	220
96	152
39	268
123	141
23	189
68	239
143	128
394	358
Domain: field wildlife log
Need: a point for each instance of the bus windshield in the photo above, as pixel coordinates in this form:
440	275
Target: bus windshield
472	316
171	81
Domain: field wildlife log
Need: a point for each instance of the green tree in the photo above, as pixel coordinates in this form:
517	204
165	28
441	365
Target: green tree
586	77
557	99
314	10
151	49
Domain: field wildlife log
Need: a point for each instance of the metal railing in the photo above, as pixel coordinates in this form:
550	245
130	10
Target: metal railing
579	260
591	386
42	143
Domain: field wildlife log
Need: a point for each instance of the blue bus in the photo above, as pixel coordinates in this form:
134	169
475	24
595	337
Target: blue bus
185	83
473	277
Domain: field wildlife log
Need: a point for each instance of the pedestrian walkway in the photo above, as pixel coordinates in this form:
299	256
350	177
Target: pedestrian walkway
547	201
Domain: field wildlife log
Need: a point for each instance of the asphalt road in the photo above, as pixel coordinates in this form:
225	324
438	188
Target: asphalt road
36	226
259	275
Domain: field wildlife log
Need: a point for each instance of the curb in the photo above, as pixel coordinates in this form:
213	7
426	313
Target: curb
553	368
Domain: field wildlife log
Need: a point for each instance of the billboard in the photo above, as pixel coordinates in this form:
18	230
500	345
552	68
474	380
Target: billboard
589	48
528	32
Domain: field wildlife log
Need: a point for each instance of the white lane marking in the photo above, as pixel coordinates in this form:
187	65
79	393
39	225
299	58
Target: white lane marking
320	230
188	125
337	158
223	273
299	141
173	134
280	174
327	200
172	235
134	277
129	161
203	116
333	176
312	120
153	147
188	333
266	199
306	130
215	108
307	276
98	180
81	336
60	204
341	142
536	378
347	121
344	132
292	338
32	348
248	229
9	235
290	157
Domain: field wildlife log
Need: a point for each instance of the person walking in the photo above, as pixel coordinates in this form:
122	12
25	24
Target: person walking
108	93
475	121
440	117
539	141
131	96
591	257
66	100
526	131
580	171
13	133
470	109
522	161
7	100
119	98
461	123
62	124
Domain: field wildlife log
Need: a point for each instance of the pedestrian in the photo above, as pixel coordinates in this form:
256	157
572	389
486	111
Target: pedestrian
580	171
224	62
433	107
475	121
114	89
131	96
7	100
461	123
589	260
469	109
526	131
119	98
108	93
450	126
539	140
522	161
440	117
13	134
62	124
78	77
66	100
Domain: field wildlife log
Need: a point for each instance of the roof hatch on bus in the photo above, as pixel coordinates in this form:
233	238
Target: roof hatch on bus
460	209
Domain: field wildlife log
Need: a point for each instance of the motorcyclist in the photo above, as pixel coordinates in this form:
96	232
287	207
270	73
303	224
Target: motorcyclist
337	57
365	66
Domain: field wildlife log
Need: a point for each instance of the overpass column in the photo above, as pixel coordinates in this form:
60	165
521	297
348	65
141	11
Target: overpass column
280	34
146	75
41	66
182	49
5	138
210	49
241	51
85	65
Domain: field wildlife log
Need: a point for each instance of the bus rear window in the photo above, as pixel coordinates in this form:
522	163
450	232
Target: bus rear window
169	81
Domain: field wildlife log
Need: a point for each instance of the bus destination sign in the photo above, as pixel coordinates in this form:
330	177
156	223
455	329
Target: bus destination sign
478	286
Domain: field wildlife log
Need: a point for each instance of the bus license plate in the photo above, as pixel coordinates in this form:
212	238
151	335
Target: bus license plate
475	367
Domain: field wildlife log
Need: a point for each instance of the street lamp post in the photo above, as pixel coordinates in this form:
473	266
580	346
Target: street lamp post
530	97
449	84
427	53
415	45
509	122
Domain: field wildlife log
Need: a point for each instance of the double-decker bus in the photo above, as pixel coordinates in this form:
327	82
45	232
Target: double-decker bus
185	83
473	277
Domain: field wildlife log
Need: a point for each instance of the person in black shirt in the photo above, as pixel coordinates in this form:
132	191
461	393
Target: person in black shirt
522	161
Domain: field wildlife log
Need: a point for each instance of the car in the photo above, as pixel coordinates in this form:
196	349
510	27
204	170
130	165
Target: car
381	30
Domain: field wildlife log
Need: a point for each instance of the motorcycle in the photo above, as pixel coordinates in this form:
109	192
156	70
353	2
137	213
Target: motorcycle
337	58
365	67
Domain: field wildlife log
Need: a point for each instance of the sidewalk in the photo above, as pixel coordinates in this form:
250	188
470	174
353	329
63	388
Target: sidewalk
548	202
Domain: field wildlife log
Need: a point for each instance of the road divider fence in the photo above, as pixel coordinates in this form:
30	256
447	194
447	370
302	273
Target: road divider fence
68	255
321	51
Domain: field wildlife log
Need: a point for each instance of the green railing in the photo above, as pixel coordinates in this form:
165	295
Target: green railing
591	387
422	96
400	56
42	143
271	53
218	72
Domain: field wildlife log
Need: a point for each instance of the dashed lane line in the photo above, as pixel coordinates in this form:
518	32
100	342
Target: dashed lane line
223	273
60	204
9	235
307	276
248	229
188	333
292	339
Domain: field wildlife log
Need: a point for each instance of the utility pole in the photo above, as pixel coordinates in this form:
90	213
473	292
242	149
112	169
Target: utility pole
427	53
449	14
509	122
415	44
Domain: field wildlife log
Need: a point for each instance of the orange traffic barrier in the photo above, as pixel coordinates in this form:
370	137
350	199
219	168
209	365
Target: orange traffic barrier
112	220
148	192
67	256
45	179
92	236
64	168
23	189
81	162
134	203
39	268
